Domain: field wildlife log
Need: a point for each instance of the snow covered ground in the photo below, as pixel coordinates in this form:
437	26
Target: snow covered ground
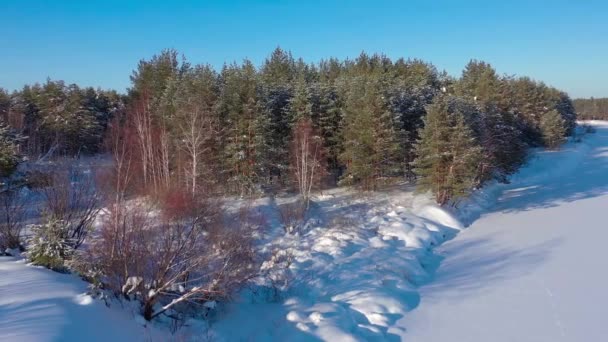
366	268
40	305
532	268
355	270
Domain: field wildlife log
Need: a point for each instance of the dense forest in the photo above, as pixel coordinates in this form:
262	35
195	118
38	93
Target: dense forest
375	121
591	109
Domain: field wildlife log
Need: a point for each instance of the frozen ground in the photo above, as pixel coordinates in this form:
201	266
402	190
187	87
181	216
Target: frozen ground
531	268
365	268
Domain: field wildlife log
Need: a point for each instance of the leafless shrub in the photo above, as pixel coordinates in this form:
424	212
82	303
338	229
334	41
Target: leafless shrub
292	215
13	209
166	254
37	179
72	198
276	270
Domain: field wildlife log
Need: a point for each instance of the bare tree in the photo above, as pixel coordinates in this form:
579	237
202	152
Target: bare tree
197	129
151	143
141	121
308	158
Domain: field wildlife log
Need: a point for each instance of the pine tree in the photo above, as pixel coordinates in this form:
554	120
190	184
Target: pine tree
564	106
553	129
327	116
371	146
529	104
245	128
448	154
504	150
410	86
300	106
9	154
479	82
5	104
152	76
277	75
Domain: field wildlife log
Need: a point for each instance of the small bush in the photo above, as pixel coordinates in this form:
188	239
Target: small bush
588	129
50	245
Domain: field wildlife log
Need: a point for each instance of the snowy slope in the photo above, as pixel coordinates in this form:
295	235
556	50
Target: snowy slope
531	268
355	271
39	305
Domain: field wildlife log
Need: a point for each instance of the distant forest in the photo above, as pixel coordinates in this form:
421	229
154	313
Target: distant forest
242	129
592	109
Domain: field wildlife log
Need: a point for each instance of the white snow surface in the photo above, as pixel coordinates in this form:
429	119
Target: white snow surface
366	267
532	267
37	304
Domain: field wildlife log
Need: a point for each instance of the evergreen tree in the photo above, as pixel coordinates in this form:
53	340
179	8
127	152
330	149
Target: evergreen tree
553	129
370	141
529	105
152	76
5	104
300	106
448	155
245	128
564	106
412	86
277	75
479	82
9	154
327	116
503	148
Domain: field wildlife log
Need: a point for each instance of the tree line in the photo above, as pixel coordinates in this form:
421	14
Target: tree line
56	118
592	108
372	121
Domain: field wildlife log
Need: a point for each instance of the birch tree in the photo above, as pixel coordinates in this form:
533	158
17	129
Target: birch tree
308	158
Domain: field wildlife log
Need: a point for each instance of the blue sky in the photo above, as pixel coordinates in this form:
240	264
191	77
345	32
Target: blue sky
98	43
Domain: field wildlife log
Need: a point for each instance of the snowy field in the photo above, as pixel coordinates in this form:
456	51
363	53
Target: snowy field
365	268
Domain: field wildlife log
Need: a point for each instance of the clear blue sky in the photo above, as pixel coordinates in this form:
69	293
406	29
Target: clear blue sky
98	43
